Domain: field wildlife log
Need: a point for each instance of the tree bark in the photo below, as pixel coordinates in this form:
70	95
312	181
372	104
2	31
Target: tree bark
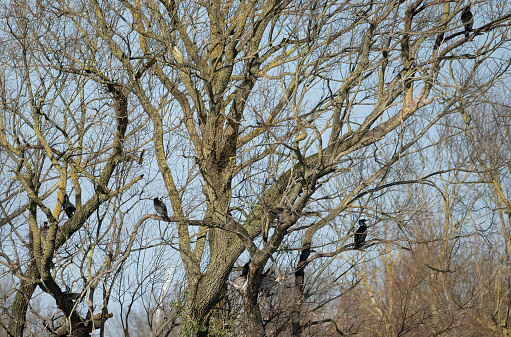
21	301
255	327
253	317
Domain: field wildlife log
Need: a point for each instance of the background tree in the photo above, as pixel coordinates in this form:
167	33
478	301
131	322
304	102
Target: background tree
60	134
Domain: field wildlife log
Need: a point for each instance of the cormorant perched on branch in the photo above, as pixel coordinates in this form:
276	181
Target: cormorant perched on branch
161	208
360	234
73	297
266	282
69	208
244	271
467	19
275	212
240	282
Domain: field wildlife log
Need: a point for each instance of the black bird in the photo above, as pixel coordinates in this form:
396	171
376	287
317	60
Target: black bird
467	18
69	208
240	282
244	272
267	283
275	212
161	208
360	234
73	297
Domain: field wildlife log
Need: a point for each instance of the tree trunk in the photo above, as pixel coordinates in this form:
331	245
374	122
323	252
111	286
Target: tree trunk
21	301
253	316
204	294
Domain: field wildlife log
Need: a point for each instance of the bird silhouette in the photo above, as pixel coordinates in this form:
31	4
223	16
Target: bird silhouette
267	282
240	282
360	234
244	271
467	18
73	297
69	208
275	212
161	208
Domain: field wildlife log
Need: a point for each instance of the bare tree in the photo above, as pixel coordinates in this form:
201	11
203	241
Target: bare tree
290	118
60	134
